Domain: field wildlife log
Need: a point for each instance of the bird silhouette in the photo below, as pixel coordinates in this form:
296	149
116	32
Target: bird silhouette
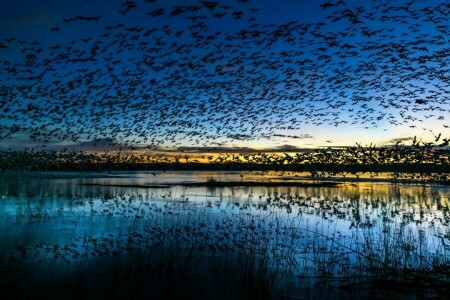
182	76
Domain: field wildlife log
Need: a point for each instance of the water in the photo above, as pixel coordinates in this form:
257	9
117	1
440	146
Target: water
309	231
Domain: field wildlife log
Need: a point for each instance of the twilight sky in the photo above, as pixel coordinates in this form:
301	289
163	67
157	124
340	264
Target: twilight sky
236	73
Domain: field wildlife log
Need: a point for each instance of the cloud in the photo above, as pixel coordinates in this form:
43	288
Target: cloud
301	136
240	137
283	148
22	140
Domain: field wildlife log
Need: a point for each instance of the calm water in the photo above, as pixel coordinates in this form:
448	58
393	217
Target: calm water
43	213
350	205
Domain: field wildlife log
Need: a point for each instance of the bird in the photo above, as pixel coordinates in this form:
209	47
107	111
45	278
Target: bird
209	4
157	83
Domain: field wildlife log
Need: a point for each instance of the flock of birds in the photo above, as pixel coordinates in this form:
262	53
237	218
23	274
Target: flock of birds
205	74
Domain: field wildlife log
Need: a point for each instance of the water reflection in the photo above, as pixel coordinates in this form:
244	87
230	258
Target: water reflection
41	211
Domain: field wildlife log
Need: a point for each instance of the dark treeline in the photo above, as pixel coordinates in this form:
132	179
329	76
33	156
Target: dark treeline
415	161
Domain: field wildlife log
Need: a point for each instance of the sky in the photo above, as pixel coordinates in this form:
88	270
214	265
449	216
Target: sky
232	74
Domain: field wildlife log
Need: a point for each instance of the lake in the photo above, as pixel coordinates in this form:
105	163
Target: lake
265	240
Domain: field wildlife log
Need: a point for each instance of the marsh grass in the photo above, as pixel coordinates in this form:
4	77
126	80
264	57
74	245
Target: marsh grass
174	250
404	257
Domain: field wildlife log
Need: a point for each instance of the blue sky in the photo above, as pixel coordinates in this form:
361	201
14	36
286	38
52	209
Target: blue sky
266	74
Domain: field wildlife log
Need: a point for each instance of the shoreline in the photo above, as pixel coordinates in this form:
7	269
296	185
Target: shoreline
270	179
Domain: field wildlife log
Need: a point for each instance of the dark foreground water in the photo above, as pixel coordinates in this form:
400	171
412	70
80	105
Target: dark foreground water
145	235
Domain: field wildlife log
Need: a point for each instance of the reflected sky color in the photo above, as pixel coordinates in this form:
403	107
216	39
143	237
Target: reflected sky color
56	209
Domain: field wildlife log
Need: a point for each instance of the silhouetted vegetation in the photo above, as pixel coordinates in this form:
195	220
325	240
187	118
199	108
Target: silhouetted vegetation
416	161
168	251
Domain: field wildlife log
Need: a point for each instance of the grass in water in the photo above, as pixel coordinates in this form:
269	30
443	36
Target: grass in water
173	250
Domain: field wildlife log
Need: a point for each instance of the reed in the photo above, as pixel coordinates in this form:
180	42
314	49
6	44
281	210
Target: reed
171	249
